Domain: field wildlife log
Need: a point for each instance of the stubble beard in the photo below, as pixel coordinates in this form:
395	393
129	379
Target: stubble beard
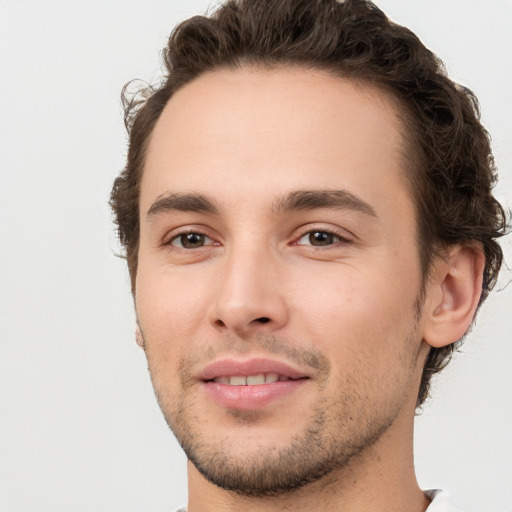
334	436
310	456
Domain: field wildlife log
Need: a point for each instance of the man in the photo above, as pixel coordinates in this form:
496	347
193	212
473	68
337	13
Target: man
309	228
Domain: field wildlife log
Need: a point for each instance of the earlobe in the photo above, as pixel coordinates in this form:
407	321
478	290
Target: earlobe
139	338
452	295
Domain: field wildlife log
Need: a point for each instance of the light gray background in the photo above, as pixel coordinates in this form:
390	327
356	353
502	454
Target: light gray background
79	426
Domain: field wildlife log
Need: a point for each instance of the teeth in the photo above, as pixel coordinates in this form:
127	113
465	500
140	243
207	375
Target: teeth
251	380
255	380
237	381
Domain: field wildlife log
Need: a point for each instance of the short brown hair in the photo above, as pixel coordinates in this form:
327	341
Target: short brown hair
452	170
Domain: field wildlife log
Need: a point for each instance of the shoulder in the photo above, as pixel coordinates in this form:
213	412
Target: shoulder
441	501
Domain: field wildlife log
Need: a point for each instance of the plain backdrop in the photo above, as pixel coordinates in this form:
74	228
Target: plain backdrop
80	430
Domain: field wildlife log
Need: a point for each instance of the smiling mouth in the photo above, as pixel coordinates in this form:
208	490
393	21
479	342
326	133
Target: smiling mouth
253	380
251	384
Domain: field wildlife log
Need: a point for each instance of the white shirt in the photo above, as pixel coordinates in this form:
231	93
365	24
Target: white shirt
441	502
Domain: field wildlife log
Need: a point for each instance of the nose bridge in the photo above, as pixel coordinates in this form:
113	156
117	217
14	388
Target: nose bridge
247	276
248	296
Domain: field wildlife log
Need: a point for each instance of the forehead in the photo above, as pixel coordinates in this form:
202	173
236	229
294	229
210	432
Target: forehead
260	130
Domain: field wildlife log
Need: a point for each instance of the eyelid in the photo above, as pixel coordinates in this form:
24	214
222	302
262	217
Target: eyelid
175	233
206	240
344	235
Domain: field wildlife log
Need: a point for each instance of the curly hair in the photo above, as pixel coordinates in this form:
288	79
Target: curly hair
452	170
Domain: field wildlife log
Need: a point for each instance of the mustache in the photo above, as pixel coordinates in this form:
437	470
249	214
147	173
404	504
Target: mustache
259	344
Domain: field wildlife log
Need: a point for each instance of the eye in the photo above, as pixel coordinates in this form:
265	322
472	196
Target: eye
319	238
191	241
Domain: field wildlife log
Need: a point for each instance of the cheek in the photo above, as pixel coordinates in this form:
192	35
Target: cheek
169	307
356	311
367	330
169	310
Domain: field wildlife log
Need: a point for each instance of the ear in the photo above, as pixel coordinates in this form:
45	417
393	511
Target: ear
452	295
139	338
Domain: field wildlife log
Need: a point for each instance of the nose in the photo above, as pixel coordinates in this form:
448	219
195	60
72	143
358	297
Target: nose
249	298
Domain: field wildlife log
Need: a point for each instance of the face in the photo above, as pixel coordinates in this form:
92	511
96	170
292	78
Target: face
278	277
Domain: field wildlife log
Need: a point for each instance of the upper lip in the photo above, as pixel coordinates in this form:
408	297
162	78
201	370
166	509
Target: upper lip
255	366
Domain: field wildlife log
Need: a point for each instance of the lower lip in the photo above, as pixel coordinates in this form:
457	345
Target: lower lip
250	397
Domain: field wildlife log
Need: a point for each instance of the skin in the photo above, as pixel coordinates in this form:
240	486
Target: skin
259	285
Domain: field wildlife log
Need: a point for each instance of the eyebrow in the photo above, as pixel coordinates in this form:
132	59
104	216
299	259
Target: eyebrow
297	200
182	203
315	199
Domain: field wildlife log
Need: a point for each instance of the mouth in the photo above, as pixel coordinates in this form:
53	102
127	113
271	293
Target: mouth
250	384
252	380
255	371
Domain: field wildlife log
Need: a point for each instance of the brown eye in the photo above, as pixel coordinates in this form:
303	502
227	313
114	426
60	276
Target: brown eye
190	240
319	238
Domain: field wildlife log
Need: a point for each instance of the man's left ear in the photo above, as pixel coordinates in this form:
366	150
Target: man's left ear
452	295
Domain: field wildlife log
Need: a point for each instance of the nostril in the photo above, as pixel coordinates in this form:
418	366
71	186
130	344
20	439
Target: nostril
263	320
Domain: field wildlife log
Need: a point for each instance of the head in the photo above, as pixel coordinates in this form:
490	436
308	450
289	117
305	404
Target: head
296	146
450	169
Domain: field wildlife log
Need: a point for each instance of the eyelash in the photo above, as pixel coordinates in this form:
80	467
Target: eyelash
341	239
178	236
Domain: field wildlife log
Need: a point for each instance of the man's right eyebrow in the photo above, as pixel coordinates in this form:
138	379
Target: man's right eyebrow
188	202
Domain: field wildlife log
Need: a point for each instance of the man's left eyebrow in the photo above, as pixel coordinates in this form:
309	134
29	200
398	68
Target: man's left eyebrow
315	199
188	202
